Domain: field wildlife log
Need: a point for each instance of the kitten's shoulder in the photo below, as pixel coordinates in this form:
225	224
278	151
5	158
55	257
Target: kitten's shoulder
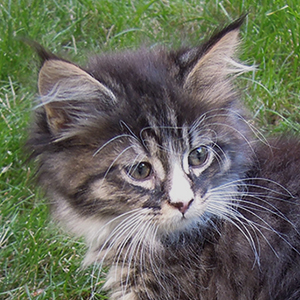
278	160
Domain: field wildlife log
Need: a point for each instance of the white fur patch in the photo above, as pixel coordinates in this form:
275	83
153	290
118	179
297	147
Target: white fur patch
180	190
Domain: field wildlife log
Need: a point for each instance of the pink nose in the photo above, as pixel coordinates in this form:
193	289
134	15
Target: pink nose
182	207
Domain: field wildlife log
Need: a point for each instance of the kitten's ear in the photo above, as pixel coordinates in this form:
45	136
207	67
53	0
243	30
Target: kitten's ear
66	90
215	61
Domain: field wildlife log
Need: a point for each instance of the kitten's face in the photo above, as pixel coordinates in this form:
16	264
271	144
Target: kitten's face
171	174
145	142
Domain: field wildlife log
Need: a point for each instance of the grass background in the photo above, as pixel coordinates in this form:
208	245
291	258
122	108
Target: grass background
37	260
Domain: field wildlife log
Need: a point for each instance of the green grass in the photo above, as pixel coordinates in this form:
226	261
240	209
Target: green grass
38	261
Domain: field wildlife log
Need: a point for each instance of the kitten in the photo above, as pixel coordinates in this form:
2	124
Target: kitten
150	157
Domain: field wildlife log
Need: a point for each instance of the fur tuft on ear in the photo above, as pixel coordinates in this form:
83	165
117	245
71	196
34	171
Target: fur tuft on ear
65	89
217	61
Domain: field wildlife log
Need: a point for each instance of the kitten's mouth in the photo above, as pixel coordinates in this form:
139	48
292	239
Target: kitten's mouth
184	216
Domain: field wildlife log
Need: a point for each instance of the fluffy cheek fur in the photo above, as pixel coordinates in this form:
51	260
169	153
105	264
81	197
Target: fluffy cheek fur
100	228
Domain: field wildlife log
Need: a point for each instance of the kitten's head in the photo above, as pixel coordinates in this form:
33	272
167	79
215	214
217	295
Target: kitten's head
144	143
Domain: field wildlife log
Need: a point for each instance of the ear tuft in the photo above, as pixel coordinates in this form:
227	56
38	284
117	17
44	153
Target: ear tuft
56	72
61	83
218	60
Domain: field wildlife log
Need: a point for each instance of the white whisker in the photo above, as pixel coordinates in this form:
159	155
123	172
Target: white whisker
111	141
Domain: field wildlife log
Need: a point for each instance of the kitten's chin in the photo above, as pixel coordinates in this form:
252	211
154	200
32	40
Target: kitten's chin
176	222
175	228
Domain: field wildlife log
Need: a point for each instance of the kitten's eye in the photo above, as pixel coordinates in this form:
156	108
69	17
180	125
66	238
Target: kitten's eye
140	171
198	156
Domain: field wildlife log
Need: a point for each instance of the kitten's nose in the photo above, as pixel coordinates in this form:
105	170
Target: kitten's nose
182	207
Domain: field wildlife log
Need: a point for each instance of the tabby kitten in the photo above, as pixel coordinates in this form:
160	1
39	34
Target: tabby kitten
150	157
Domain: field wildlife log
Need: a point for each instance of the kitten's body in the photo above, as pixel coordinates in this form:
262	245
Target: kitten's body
148	155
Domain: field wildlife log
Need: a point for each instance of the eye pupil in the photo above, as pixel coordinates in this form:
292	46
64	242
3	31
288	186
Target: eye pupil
198	156
140	171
